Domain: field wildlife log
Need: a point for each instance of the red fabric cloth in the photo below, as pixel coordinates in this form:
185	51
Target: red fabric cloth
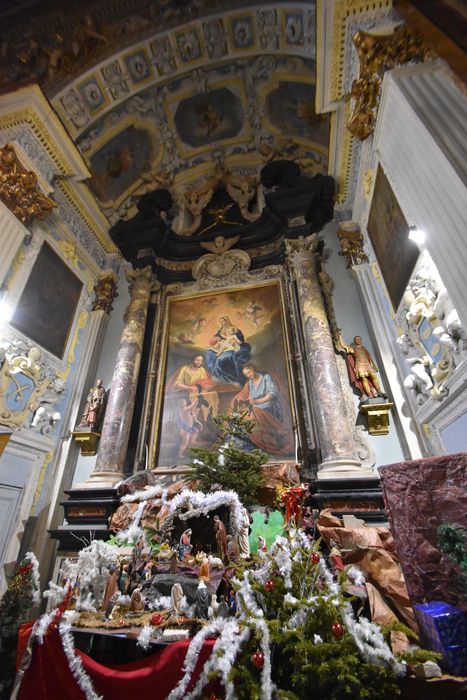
49	677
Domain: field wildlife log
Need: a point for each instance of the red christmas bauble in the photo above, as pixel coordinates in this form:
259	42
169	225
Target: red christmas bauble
338	630
315	557
257	659
269	586
157	619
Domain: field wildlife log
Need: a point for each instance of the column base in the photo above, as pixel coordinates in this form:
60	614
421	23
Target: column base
343	469
362	498
99	480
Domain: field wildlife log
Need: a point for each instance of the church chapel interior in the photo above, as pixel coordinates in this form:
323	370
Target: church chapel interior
233	308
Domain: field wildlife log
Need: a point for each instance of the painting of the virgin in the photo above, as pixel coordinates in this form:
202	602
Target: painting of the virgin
225	351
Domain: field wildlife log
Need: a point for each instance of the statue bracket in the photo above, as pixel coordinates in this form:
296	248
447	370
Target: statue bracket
87	441
377	415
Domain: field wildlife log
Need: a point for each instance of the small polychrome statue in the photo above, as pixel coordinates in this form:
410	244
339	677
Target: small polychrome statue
94	407
233	552
176	597
222	608
362	370
185	545
221	537
137	603
202	602
111	587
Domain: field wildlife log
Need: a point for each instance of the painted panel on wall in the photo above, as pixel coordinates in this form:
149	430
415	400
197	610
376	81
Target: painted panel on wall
212	339
389	234
47	306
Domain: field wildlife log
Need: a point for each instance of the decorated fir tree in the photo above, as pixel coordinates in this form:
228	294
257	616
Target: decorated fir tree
22	594
295	636
233	464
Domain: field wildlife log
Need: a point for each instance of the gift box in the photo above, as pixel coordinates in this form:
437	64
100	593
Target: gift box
443	628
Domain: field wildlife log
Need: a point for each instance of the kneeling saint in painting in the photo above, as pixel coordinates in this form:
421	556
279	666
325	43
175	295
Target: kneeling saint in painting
264	399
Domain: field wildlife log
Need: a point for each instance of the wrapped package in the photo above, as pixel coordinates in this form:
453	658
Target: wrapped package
443	628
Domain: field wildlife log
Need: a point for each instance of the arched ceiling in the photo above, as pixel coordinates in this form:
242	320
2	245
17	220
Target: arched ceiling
162	94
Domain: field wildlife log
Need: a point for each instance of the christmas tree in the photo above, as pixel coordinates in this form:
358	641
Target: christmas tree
295	636
234	464
15	606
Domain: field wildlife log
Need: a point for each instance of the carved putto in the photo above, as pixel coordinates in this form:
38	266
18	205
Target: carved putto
221	262
433	341
19	189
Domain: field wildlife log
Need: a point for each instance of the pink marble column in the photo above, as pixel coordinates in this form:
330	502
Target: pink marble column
119	412
335	440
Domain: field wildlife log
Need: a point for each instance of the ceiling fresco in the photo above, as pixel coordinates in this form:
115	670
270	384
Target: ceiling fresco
232	117
169	94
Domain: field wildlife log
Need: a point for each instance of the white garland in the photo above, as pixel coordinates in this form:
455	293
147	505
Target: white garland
36	593
368	638
355	574
267	685
76	665
223	655
157	492
144	637
41	626
192	655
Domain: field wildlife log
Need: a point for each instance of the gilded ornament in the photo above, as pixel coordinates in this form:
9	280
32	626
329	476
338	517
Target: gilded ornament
378	53
22	386
105	292
19	190
351	242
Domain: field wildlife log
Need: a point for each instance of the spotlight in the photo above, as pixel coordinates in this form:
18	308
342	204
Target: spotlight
417	235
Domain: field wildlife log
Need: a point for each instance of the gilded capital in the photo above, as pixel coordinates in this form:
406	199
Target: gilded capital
140	277
301	250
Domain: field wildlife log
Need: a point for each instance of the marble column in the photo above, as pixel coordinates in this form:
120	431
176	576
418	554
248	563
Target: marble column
335	440
119	412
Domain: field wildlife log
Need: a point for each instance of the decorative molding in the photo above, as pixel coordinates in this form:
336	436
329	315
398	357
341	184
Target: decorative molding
279	29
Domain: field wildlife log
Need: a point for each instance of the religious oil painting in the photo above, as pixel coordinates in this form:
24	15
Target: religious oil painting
225	351
47	306
208	117
120	162
389	234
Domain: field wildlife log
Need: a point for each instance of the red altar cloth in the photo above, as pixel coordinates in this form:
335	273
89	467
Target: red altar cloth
49	677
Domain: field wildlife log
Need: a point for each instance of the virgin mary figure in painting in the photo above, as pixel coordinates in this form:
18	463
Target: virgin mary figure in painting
263	397
228	353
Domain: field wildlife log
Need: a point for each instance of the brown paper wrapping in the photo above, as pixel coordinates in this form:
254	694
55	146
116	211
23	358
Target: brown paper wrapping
372	550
